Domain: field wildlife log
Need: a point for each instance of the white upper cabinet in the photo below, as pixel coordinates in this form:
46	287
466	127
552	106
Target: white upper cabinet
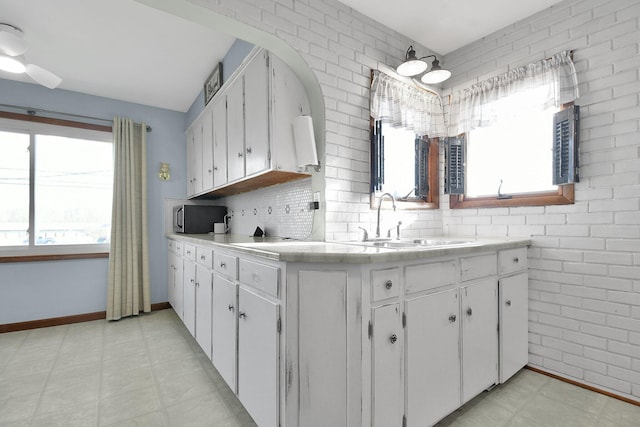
244	137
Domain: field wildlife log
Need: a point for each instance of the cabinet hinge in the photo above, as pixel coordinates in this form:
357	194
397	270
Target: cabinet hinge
269	155
404	421
279	325
370	329
404	319
267	60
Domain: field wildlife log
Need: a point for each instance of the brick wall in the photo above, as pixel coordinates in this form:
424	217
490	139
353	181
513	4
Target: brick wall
584	319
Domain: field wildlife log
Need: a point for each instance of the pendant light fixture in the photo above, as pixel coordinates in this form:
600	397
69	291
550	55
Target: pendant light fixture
412	66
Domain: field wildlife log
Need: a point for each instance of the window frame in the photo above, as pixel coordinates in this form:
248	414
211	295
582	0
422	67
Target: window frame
45	125
563	195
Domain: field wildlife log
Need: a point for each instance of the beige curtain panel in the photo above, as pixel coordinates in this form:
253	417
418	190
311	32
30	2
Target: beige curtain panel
128	286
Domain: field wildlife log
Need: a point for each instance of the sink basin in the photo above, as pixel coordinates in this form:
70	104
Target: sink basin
441	242
414	244
393	244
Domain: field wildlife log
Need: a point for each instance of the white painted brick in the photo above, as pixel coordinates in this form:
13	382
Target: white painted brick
610	283
561	299
634	338
605	332
625	271
547	219
547	330
563	368
624	374
568	230
632	245
624	349
586	364
585	268
562	345
609	382
561	254
542	286
584	315
591	218
607	357
543	307
585	339
623	321
618	258
631	298
607	307
563	322
542	264
546	352
582	243
583	291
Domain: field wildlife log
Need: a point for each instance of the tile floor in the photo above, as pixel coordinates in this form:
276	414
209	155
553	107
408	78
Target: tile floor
148	371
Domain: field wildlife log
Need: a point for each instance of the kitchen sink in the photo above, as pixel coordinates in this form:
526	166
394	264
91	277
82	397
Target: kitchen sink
415	243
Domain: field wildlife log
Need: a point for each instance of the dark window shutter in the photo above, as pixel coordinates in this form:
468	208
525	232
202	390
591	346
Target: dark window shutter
454	176
377	156
565	146
422	167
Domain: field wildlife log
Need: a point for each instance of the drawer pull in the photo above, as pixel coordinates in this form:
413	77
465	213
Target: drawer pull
393	338
388	284
230	307
452	318
242	315
223	265
469	311
516	260
202	257
508	303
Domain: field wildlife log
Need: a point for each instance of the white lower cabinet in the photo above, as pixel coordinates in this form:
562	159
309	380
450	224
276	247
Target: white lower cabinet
258	347
387	354
479	316
393	344
433	357
514	324
224	328
204	284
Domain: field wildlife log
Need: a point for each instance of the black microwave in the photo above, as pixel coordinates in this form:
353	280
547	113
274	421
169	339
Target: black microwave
197	219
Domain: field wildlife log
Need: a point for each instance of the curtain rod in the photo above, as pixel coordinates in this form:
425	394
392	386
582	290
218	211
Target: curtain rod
33	111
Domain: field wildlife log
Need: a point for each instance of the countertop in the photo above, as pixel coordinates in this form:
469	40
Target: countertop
287	250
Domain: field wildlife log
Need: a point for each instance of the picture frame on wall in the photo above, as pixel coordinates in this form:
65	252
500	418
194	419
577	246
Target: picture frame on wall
213	83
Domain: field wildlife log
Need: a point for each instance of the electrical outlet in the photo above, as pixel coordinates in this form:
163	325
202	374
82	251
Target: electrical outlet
314	206
316	197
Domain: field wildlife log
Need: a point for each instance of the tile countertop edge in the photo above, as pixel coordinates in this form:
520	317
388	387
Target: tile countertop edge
337	252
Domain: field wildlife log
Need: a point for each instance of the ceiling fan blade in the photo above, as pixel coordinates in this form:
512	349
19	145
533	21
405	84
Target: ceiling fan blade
11	41
44	77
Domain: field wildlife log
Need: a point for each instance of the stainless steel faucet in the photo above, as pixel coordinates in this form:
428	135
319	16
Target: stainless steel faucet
393	201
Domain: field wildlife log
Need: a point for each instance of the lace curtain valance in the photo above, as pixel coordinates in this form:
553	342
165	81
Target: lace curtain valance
406	106
553	80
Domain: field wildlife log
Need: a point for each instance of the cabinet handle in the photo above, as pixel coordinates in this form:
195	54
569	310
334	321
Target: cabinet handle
508	303
469	311
516	260
230	307
239	154
192	281
393	338
202	257
188	252
452	318
215	168
242	315
388	284
249	150
223	265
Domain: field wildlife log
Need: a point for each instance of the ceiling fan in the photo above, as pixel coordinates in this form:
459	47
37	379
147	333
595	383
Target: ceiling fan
12	48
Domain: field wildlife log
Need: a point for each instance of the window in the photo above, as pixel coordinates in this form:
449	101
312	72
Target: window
55	189
517	142
524	160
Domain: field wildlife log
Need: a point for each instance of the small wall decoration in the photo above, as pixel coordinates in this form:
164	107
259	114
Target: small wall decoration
213	83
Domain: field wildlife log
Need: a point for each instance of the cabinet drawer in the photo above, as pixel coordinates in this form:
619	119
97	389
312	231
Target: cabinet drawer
512	260
226	265
478	266
189	251
178	247
385	283
260	276
430	276
171	246
204	256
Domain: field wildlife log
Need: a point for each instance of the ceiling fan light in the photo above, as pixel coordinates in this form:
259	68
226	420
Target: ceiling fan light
11	64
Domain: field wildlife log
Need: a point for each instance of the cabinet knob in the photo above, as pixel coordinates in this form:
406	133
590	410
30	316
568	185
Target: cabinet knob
202	257
249	150
242	315
452	318
215	168
469	311
223	265
508	303
388	284
393	338
210	171
230	307
192	281
516	260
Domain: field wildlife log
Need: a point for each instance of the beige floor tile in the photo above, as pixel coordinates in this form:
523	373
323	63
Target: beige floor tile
20	408
63	399
80	415
622	414
205	410
126	381
154	419
23	385
571	395
555	413
127	405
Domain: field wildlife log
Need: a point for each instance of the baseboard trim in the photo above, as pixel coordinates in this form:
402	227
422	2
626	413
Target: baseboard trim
66	320
582	385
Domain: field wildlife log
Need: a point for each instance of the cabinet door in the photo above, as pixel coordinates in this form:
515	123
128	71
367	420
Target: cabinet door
479	314
258	357
179	286
191	182
433	357
207	151
196	164
387	345
514	327
235	131
256	101
220	142
171	279
189	292
223	329
204	281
